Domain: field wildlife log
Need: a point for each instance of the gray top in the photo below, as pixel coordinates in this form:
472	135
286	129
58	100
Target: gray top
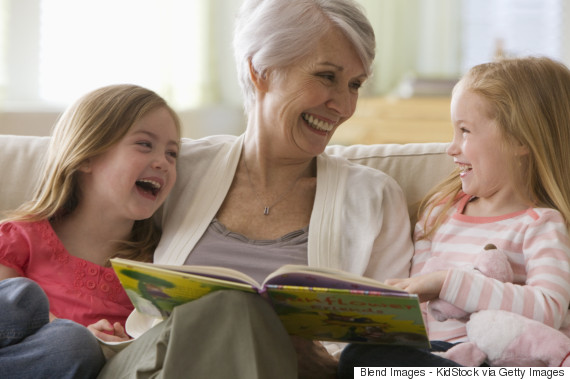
256	258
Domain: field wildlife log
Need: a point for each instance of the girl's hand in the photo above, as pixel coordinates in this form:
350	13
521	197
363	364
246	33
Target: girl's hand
108	332
427	286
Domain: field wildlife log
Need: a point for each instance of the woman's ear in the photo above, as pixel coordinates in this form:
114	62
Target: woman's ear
259	80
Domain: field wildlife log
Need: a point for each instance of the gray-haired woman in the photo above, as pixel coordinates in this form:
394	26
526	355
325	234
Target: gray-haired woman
272	196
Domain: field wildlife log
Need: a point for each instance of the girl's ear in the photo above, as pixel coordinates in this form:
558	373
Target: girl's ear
521	149
85	166
259	80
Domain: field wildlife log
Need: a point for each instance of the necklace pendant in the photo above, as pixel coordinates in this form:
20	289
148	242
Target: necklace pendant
266	211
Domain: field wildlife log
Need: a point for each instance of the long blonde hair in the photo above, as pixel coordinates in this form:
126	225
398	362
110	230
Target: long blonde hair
529	98
88	128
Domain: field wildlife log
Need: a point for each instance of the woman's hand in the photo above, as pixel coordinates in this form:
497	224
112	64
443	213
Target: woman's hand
313	360
427	286
108	332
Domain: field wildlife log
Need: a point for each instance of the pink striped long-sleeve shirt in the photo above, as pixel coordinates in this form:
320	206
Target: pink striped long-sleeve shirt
537	245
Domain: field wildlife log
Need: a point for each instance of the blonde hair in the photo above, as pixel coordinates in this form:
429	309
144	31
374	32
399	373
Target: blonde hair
88	128
529	98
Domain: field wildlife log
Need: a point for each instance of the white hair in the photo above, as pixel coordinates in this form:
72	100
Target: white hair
274	34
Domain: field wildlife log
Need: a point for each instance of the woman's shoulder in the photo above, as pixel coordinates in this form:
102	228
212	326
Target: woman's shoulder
193	152
210	144
361	174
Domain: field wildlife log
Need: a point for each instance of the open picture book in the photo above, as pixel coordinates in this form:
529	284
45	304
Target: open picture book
315	303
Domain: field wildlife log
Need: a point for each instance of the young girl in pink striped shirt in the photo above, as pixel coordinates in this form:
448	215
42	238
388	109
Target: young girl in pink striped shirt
511	189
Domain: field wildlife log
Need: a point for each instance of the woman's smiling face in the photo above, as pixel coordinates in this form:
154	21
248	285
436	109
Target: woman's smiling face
310	99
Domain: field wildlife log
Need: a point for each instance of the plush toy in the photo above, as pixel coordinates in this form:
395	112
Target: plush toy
514	341
490	262
499	337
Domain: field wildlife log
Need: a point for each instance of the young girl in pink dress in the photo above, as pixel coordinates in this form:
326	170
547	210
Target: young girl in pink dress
110	165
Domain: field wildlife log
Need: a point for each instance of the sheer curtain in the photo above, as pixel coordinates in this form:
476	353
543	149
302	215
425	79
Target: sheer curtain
3	48
441	39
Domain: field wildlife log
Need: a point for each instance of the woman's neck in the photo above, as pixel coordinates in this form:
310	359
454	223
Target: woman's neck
269	167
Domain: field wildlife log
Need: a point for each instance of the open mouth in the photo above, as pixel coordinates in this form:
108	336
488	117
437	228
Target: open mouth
464	168
316	123
150	187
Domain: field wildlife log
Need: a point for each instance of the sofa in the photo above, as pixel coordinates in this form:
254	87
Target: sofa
416	167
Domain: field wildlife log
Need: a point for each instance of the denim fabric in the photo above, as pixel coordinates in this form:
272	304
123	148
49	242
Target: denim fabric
361	355
32	347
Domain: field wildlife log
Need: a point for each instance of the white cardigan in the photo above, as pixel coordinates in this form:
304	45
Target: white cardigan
359	221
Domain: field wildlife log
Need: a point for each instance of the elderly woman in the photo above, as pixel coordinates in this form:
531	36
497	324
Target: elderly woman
272	196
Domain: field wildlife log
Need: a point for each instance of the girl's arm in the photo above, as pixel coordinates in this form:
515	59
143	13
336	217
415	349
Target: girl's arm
541	288
7	272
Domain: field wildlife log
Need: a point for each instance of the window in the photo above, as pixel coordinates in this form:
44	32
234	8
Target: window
61	49
512	28
53	51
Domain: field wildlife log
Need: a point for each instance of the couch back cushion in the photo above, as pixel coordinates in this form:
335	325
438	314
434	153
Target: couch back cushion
21	158
416	167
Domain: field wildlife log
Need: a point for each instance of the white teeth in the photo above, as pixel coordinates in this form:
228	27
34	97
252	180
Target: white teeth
317	124
155	185
464	168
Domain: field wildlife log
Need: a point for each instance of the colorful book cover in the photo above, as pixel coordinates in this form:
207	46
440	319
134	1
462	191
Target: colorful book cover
351	309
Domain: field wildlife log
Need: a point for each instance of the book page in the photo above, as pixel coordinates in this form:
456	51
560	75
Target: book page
155	290
215	272
304	276
349	315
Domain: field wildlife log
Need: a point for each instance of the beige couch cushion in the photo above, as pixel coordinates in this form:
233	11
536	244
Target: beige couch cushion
20	164
416	167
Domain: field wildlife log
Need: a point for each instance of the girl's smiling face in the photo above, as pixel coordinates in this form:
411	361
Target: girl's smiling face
310	99
132	179
479	150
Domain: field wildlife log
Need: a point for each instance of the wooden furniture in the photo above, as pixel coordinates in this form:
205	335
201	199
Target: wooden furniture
394	120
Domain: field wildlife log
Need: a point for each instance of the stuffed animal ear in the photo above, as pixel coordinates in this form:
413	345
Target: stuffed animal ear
441	310
494	263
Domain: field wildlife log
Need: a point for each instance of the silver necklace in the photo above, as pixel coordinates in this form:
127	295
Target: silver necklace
266	208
